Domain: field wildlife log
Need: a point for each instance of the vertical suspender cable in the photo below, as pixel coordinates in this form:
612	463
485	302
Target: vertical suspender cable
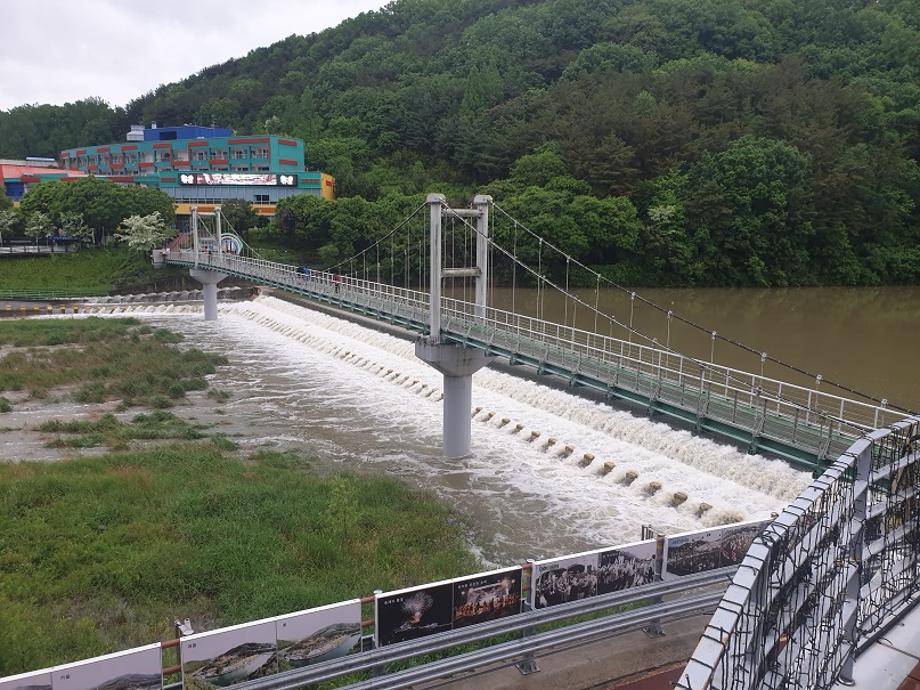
597	295
541	289
514	270
565	299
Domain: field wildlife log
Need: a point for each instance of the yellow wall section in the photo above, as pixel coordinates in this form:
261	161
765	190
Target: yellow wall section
327	187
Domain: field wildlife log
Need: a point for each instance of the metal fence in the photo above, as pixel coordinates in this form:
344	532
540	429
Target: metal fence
838	565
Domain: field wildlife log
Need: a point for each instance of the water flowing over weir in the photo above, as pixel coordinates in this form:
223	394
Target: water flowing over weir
550	472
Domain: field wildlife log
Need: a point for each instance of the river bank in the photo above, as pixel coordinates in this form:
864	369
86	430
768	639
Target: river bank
103	549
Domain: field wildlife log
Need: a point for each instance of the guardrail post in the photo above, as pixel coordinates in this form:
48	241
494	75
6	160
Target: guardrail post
528	663
653	629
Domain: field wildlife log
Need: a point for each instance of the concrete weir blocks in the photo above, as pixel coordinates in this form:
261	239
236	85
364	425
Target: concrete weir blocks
457	364
209	281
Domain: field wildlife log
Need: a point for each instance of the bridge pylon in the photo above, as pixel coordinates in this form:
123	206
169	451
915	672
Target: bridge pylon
208	277
456	363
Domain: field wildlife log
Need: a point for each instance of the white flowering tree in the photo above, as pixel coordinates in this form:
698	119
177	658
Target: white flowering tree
143	232
9	219
39	226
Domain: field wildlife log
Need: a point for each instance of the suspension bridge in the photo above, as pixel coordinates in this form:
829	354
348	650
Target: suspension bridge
824	580
434	273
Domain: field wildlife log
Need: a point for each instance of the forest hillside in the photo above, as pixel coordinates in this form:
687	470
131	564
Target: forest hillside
725	142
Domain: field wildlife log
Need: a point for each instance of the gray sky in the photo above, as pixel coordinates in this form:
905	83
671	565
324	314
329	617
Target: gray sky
55	51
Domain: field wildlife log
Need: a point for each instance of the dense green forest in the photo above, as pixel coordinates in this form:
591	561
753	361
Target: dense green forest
677	141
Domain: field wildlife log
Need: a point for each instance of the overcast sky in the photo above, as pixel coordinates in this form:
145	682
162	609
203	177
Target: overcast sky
55	51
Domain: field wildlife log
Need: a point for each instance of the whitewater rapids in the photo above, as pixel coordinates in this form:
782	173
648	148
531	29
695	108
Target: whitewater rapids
550	473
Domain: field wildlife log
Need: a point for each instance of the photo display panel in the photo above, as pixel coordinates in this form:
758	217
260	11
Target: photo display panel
320	634
702	550
410	613
34	680
487	596
623	567
562	580
228	656
133	669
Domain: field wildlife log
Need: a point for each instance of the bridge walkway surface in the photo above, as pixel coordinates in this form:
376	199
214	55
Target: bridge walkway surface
803	425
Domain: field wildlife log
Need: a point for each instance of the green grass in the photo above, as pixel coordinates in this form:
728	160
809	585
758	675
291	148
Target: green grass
115	434
104	359
87	272
100	554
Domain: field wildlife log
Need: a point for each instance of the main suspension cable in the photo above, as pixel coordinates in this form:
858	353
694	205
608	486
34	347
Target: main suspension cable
712	332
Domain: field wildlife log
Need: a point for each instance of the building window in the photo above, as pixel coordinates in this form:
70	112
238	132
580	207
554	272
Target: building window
240	154
200	156
262	168
260	153
262	198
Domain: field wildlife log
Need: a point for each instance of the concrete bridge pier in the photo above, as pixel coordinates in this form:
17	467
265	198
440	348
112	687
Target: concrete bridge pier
457	364
209	281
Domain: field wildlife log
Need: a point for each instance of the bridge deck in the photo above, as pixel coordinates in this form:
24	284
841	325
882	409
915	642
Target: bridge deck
805	426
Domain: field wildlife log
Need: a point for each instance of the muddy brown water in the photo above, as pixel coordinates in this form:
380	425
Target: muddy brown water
866	338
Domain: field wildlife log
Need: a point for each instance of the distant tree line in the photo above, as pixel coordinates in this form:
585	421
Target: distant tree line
684	142
89	209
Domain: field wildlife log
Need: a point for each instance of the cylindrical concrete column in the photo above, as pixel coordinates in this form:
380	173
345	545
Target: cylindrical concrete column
209	281
209	290
458	401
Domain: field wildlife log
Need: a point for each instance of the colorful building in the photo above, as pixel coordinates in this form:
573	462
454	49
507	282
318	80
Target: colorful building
196	166
17	175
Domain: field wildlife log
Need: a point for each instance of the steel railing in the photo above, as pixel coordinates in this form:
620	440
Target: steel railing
840	563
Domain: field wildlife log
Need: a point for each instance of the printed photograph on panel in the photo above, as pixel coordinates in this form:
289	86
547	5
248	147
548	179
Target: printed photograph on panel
487	597
320	634
710	549
412	613
34	680
736	540
561	581
232	655
626	566
133	669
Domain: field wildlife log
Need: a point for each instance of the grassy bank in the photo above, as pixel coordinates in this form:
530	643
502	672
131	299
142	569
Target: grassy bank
103	553
88	272
100	359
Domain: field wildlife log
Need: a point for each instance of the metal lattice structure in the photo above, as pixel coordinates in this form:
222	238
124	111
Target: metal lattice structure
840	563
